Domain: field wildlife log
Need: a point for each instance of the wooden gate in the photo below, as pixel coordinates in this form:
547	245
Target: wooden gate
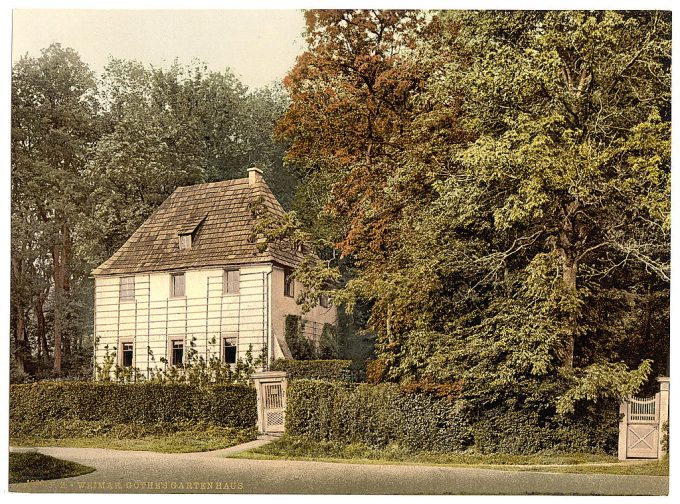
642	440
640	428
271	401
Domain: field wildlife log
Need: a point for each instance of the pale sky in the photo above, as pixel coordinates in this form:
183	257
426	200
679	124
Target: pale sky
259	46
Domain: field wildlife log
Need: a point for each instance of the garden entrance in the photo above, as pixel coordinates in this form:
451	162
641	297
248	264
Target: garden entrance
271	401
641	427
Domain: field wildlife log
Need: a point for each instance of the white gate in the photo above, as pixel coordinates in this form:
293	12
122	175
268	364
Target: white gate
271	401
640	428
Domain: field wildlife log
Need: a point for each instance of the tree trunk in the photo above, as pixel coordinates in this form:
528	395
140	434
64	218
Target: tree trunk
568	240
60	257
569	271
41	327
20	341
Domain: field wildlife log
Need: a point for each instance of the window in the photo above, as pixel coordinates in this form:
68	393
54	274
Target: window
229	350
127	289
230	281
128	353
177	355
177	284
184	241
288	283
324	301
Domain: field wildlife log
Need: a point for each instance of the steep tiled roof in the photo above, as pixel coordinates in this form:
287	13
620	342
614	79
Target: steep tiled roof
219	215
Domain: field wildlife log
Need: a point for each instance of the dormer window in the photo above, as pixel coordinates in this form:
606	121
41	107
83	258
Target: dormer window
184	241
187	232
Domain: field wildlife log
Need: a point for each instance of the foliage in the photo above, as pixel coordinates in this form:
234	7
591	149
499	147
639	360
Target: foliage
313	369
385	414
33	466
505	214
92	159
300	347
33	404
376	415
194	370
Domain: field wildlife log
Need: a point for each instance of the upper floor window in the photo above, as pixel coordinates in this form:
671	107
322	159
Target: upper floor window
184	241
288	283
231	281
127	288
177	285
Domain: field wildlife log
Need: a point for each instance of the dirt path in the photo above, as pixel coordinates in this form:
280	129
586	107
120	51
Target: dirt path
148	472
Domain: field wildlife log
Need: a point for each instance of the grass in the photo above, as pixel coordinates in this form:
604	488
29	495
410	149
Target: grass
172	441
32	466
295	448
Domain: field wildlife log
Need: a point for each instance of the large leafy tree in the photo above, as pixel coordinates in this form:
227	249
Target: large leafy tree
515	236
53	126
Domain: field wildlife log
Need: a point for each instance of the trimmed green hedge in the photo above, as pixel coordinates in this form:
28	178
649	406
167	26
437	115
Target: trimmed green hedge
384	414
314	369
375	415
138	403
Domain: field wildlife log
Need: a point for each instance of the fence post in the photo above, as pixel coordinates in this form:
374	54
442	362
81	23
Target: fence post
623	430
664	391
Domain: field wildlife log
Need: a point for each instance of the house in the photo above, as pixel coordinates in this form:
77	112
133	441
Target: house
193	277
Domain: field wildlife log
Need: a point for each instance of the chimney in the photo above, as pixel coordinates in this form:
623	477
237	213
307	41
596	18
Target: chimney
254	175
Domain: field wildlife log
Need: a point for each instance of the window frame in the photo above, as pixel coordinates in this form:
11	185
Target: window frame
233	339
324	301
173	293
171	349
225	282
288	279
121	355
126	299
187	239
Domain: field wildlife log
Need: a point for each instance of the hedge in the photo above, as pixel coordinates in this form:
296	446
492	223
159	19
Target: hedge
375	415
139	403
314	369
384	414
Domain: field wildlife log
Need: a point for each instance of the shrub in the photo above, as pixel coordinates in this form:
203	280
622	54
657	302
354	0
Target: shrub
314	369
374	415
142	403
384	414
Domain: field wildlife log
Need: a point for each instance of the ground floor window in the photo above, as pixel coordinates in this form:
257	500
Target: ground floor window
128	354
229	350
177	355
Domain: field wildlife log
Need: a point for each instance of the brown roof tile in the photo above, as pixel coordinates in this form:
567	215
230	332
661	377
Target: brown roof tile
220	216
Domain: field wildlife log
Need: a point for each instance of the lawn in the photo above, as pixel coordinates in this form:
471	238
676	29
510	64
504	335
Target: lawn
295	448
178	441
32	466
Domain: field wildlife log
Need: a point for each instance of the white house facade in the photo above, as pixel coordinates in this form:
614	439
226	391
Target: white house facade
191	281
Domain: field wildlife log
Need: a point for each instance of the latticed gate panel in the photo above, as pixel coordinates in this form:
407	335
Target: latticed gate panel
273	395
643	428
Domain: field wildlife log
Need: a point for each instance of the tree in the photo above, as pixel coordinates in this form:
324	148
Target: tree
53	125
514	235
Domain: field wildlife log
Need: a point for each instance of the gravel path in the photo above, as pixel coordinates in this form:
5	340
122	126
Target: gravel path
209	472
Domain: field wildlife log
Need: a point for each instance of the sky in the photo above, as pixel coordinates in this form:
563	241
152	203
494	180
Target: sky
258	46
